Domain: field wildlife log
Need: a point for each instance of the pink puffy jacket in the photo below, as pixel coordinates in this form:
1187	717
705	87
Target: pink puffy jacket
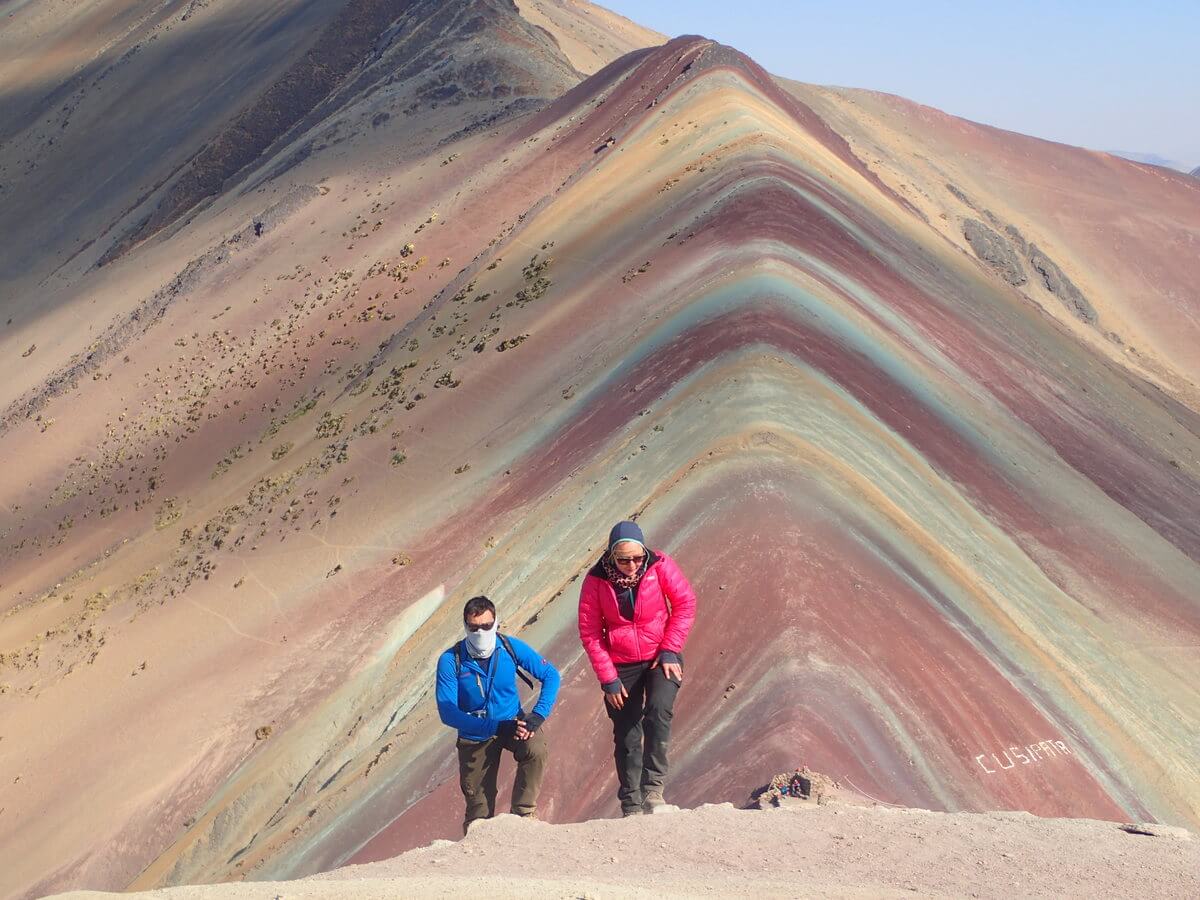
662	617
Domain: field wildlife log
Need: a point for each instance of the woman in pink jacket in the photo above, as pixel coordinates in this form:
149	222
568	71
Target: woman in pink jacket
635	611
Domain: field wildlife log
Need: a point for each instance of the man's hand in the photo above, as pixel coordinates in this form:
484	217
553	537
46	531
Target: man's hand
522	733
616	701
673	671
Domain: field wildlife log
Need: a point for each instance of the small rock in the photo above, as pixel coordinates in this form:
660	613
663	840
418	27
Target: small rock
663	808
1153	829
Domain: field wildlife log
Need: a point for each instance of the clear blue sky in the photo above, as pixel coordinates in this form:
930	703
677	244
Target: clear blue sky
1104	74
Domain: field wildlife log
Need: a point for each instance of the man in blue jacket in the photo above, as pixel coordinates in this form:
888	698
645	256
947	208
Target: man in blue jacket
477	694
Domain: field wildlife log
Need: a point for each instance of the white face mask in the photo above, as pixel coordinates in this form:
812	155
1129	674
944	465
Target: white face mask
482	643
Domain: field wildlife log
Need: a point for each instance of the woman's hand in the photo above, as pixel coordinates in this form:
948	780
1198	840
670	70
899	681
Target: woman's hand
673	671
616	701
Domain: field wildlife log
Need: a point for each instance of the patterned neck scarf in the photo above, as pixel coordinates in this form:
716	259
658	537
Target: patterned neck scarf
620	580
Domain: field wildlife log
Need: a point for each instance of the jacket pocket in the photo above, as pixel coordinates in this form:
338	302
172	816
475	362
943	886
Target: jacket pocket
470	693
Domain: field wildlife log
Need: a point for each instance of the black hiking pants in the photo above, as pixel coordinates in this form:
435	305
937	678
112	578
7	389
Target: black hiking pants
642	732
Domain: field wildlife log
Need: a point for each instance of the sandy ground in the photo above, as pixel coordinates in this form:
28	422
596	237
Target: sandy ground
802	849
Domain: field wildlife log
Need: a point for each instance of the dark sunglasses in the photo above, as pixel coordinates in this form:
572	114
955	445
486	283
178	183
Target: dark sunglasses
480	626
630	559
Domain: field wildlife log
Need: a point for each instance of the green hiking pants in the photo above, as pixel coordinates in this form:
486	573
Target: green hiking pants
479	767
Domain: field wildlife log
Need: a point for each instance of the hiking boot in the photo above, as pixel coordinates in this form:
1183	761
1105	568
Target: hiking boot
626	812
653	800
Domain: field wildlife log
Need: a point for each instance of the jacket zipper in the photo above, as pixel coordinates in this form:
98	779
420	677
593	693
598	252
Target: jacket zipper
637	640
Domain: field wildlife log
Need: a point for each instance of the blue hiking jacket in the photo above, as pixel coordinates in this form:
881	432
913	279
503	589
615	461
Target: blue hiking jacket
489	687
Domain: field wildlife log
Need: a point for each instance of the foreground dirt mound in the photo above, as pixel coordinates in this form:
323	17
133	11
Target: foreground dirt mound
801	848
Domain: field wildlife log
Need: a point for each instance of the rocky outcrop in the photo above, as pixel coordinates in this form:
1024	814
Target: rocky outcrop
960	195
1018	239
1057	283
994	250
997	252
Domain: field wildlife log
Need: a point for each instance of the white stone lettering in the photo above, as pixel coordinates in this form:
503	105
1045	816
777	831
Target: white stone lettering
1026	754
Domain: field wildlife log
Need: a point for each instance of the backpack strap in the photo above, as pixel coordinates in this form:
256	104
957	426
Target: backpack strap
457	648
509	647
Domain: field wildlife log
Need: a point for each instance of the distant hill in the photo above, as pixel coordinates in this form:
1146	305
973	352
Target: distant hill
1151	159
